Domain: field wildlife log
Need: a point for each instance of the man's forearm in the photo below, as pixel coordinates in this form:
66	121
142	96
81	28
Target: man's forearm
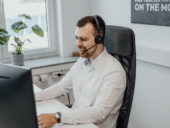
49	93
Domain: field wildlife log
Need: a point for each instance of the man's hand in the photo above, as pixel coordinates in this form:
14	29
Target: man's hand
46	120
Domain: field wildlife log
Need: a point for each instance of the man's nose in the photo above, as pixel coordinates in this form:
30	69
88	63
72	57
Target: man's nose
79	44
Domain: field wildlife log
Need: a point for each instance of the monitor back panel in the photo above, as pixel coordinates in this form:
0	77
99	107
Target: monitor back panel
17	104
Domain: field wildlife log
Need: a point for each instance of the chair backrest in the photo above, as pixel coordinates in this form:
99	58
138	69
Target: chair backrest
120	43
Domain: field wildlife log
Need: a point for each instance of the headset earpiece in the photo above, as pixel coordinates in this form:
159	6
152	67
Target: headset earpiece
99	39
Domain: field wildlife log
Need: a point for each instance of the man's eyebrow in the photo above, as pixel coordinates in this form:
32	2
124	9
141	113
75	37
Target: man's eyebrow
82	37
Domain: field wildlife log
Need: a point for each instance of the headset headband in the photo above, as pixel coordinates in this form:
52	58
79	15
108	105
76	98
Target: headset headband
98	27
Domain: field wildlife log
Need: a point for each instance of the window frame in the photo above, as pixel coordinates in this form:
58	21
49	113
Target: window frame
1	52
51	18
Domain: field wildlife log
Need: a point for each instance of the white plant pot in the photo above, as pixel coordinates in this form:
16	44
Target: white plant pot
17	59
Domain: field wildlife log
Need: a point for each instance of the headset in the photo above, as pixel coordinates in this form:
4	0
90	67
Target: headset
98	38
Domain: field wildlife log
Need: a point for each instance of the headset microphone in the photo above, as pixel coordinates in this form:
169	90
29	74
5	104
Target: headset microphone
89	48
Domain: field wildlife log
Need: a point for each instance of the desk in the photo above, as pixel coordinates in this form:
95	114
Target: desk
49	106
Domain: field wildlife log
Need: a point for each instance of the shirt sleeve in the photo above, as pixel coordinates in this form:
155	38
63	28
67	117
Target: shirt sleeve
113	85
61	88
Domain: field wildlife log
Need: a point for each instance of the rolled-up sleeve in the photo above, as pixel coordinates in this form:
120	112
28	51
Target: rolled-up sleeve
61	88
113	85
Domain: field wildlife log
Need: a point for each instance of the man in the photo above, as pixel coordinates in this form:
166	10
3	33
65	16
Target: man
97	79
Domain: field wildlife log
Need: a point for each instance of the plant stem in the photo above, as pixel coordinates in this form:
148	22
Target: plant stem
27	36
14	48
22	34
20	49
23	30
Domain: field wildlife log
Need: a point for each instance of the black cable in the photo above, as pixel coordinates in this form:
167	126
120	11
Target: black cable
69	99
59	74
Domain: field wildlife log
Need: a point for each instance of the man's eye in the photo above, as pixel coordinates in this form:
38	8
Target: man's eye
83	39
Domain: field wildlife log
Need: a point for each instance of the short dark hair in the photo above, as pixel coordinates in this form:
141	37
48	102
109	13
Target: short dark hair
90	19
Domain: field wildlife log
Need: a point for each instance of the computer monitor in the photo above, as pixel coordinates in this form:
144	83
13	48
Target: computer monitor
17	102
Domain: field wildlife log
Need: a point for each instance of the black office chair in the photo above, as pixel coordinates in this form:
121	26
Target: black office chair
120	43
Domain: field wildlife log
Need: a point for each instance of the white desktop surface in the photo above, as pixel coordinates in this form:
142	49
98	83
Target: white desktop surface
51	106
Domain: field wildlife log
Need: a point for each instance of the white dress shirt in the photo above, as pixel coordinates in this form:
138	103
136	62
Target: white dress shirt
98	90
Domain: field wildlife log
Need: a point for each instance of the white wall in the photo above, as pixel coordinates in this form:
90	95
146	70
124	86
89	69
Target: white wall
151	102
69	12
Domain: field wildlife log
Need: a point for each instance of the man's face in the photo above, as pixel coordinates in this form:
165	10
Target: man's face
85	39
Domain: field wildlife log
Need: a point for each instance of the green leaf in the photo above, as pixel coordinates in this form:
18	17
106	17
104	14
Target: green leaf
4	35
16	31
2	42
37	30
3	31
28	17
25	16
29	40
18	41
17	26
4	38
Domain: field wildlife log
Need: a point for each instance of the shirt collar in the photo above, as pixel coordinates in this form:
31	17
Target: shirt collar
97	60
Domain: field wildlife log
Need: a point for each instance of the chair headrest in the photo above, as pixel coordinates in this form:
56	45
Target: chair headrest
119	40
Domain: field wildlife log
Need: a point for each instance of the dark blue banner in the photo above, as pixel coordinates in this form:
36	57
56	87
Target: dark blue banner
155	12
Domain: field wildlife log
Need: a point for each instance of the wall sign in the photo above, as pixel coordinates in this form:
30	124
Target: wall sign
155	12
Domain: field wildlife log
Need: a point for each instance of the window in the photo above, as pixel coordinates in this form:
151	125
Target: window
42	13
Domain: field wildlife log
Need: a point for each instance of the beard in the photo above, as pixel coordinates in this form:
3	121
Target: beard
87	54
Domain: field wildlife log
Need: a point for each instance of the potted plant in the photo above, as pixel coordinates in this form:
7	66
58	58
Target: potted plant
17	56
